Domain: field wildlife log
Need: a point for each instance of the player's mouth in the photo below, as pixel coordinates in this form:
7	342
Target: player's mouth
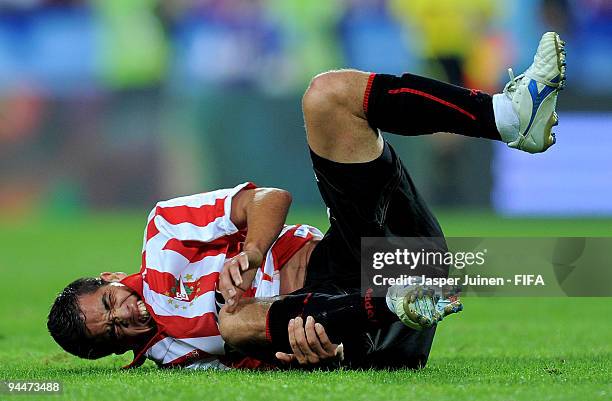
143	315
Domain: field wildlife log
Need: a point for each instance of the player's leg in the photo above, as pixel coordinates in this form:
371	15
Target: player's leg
365	186
343	111
261	326
342	107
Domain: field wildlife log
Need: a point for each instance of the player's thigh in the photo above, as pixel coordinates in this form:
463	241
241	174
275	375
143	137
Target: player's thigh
333	267
373	199
357	194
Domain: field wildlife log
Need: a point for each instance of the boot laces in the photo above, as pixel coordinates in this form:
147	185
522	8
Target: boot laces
514	81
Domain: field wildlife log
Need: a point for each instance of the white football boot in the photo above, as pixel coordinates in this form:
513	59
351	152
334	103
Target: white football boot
534	95
420	307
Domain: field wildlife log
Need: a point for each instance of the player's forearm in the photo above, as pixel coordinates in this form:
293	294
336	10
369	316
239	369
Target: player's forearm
265	217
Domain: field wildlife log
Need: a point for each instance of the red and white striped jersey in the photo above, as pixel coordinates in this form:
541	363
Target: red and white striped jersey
186	243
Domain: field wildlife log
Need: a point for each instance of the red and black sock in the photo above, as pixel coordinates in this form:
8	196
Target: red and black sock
413	105
344	317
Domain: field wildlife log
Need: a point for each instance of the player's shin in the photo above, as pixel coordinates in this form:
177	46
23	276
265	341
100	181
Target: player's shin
345	318
412	105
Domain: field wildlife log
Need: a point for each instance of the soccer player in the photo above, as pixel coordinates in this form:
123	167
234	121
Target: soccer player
233	242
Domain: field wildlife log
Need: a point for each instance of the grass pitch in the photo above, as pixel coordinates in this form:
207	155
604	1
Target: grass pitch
497	349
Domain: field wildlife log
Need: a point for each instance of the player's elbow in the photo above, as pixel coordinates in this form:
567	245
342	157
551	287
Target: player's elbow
274	196
284	196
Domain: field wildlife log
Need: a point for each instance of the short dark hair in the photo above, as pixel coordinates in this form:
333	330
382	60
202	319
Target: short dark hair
66	322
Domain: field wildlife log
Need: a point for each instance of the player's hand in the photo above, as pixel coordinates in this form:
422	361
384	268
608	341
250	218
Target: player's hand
310	344
234	279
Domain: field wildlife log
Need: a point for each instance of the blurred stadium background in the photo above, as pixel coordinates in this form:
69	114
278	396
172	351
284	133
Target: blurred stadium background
114	104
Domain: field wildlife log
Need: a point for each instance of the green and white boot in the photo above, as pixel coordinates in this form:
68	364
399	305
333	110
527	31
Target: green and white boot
419	306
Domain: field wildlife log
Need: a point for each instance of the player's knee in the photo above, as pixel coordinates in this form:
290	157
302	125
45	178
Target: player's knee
229	327
325	93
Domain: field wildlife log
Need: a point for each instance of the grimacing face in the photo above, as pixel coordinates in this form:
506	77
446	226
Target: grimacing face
115	315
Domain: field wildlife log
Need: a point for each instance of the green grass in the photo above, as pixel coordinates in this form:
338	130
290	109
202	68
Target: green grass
498	349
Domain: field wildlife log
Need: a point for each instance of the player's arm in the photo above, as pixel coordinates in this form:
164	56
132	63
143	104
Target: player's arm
263	211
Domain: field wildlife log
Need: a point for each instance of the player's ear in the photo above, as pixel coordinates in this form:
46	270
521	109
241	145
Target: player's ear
112	277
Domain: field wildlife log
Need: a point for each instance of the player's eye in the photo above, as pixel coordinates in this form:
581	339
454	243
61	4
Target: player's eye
105	301
112	334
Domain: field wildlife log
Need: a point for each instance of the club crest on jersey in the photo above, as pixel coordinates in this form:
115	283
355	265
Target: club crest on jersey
182	292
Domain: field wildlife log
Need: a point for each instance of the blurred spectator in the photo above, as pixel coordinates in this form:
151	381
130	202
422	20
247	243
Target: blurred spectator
448	32
221	43
309	40
373	40
133	48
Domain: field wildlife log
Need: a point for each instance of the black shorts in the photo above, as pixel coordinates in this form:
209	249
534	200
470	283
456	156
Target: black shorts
371	199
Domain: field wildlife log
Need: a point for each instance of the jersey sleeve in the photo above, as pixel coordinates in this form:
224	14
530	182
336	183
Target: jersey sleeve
201	217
